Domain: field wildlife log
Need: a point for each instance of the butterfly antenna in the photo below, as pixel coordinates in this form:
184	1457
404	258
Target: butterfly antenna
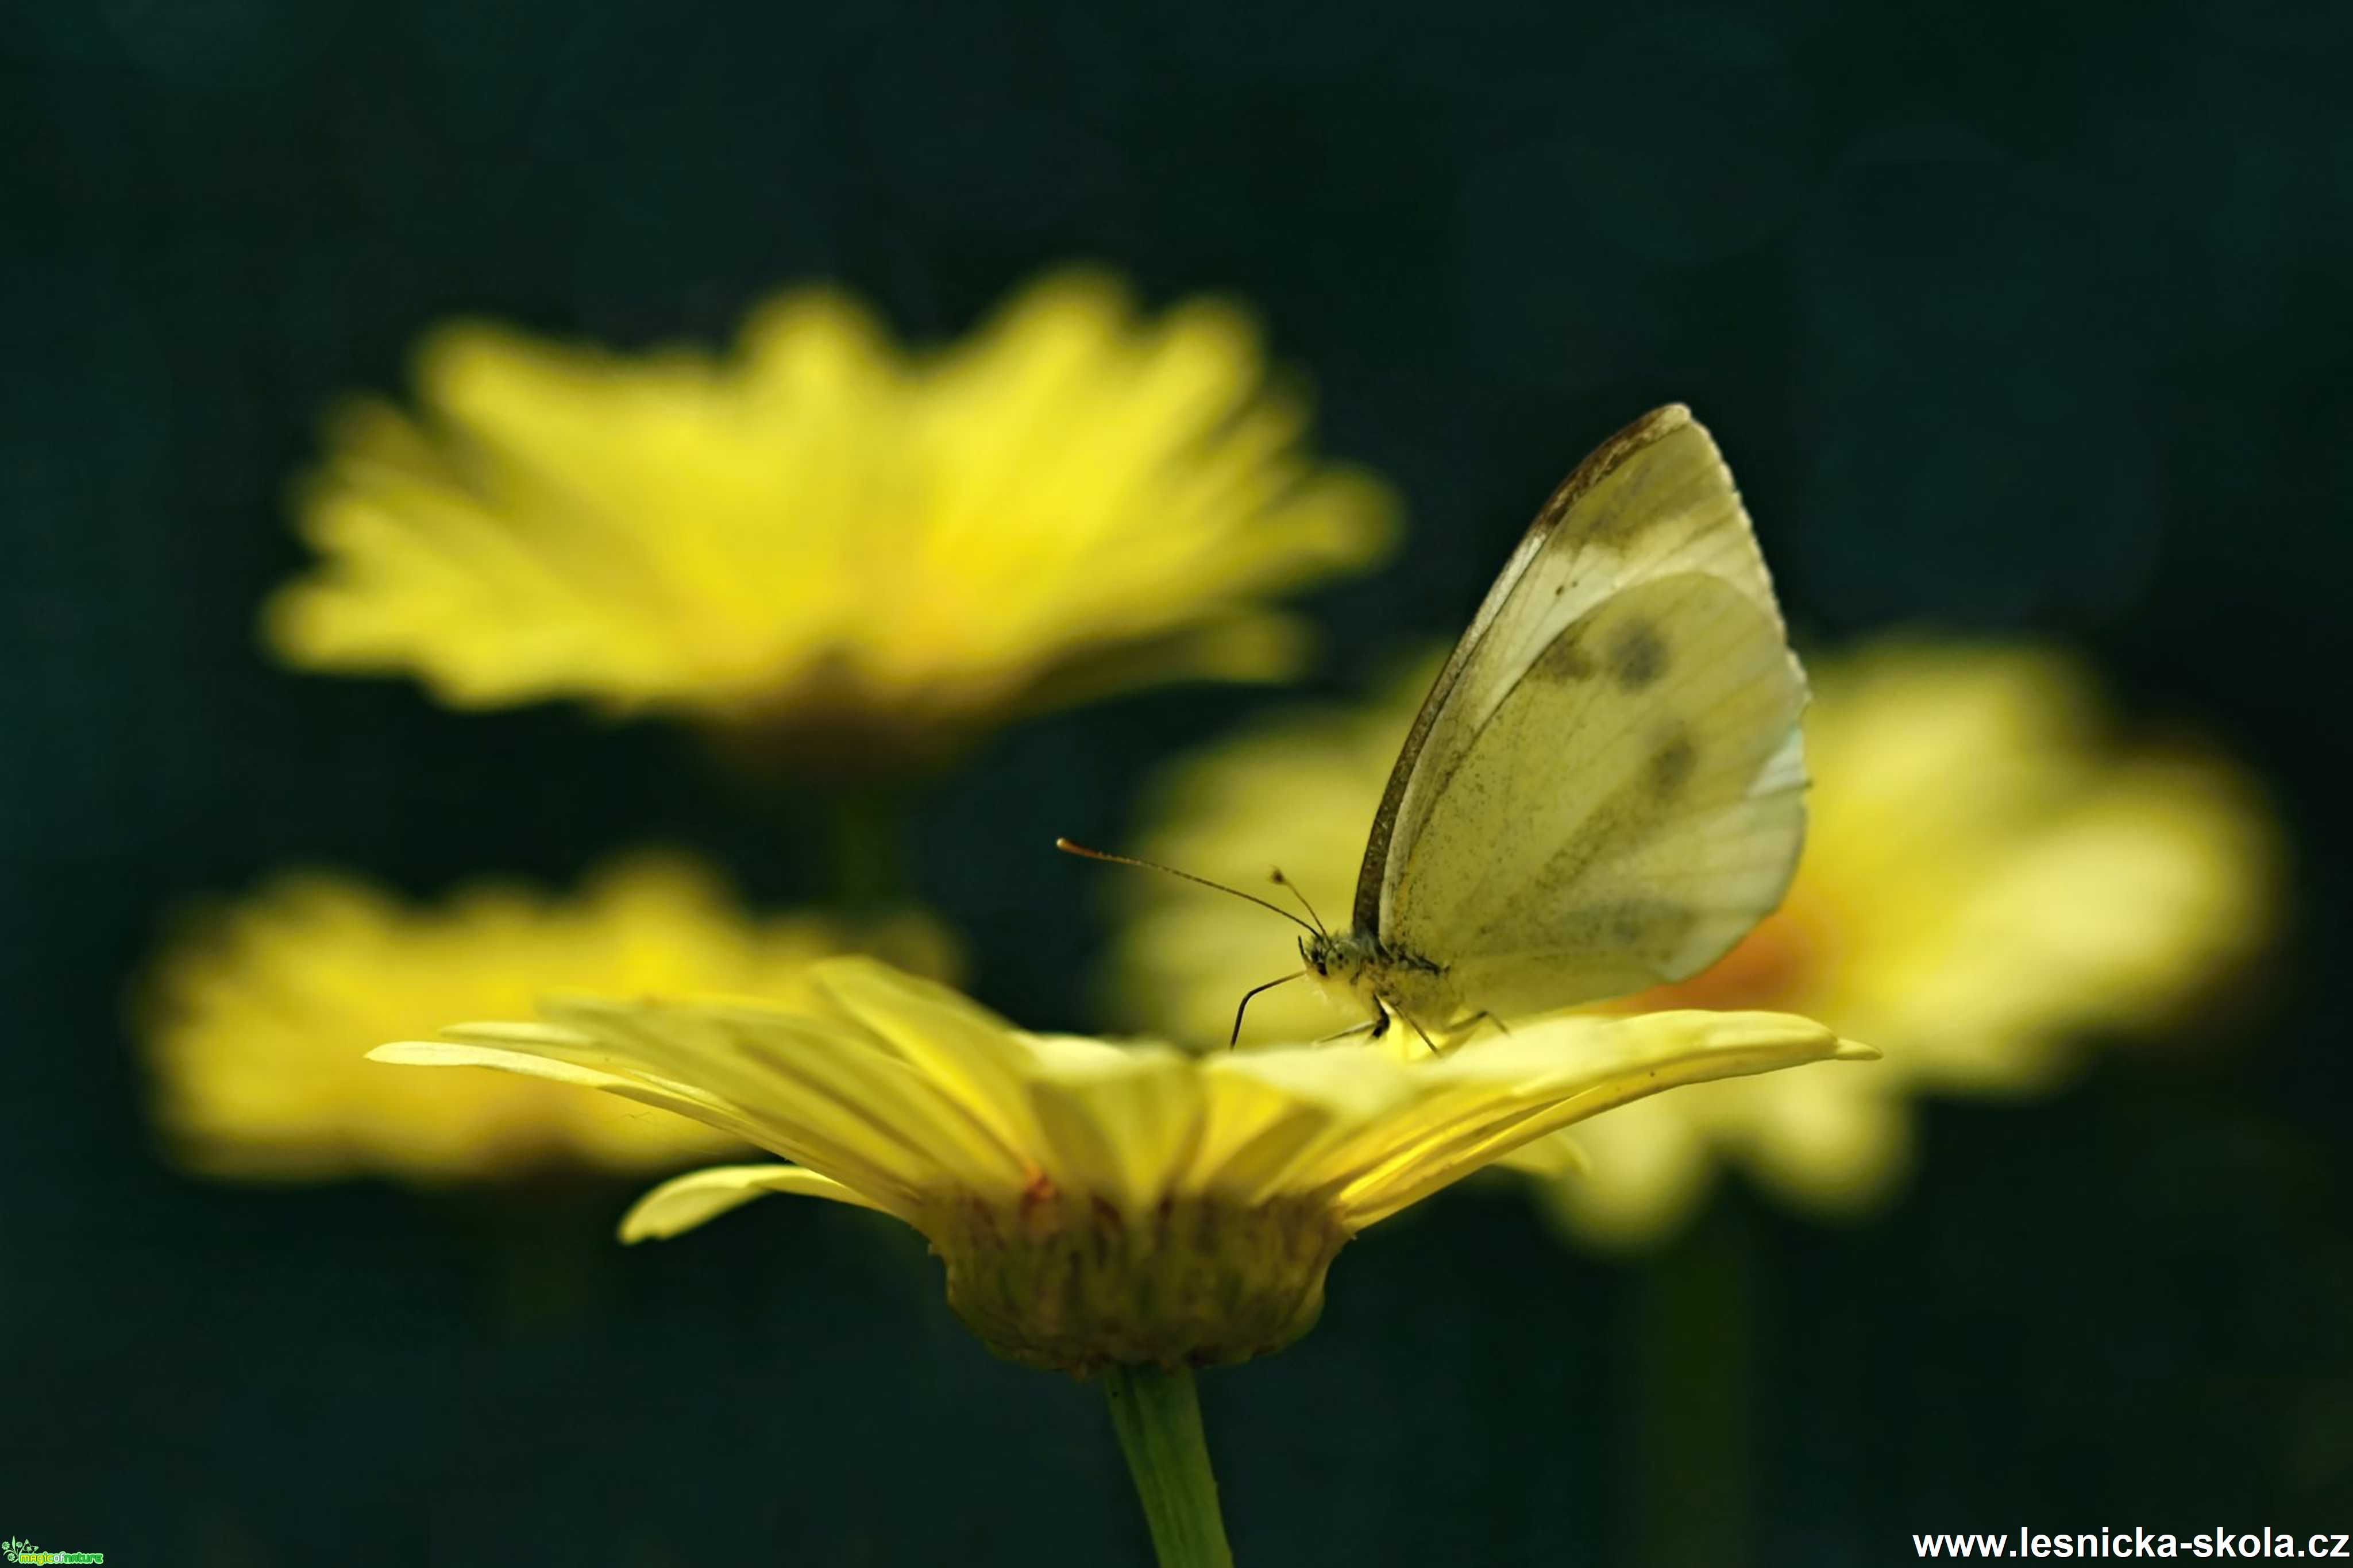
1235	1039
1067	847
1280	881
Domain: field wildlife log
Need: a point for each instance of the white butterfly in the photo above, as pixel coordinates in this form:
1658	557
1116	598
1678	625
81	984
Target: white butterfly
1605	786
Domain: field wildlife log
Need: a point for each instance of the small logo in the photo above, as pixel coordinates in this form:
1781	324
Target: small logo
17	1549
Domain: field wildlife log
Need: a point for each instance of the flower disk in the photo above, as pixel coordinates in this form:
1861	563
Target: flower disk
820	537
1098	1203
258	1019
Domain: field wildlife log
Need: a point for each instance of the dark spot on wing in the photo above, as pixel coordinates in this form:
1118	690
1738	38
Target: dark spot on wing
1567	660
1638	656
1653	928
1673	764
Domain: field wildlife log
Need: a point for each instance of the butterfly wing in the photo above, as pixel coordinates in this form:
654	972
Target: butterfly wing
1605	787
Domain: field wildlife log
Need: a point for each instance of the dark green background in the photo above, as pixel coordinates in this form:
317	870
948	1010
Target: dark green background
2009	316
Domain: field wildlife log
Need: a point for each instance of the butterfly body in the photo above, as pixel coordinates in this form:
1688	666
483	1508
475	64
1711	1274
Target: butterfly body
1390	982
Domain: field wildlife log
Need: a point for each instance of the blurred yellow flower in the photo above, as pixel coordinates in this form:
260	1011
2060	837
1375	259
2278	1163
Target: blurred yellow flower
823	535
1098	1204
1989	876
258	1018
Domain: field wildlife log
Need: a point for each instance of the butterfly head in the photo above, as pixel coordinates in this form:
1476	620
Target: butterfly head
1339	963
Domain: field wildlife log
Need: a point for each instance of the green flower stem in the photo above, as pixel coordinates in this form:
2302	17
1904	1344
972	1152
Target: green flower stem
1693	1450
1159	1420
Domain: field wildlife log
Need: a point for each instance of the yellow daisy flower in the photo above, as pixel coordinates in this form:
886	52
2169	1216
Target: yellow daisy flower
257	1017
1988	877
1098	1204
822	534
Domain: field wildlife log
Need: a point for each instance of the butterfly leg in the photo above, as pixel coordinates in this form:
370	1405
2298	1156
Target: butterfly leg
1459	1032
1236	1037
1372	1028
1424	1034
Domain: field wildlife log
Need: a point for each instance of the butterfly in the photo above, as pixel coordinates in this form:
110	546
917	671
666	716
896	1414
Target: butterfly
1605	787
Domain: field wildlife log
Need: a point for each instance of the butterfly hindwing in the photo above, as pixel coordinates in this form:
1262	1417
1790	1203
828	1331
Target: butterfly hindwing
1630	808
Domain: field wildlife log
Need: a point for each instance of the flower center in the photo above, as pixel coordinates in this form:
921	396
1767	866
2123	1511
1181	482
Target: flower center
1070	1282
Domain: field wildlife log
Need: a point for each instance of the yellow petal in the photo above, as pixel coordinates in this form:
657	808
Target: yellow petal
961	1046
559	1053
1124	1125
1347	1089
1550	1157
453	1053
682	1203
815	1094
1623	1060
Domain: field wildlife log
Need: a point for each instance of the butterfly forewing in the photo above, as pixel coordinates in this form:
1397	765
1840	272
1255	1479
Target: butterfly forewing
1605	785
